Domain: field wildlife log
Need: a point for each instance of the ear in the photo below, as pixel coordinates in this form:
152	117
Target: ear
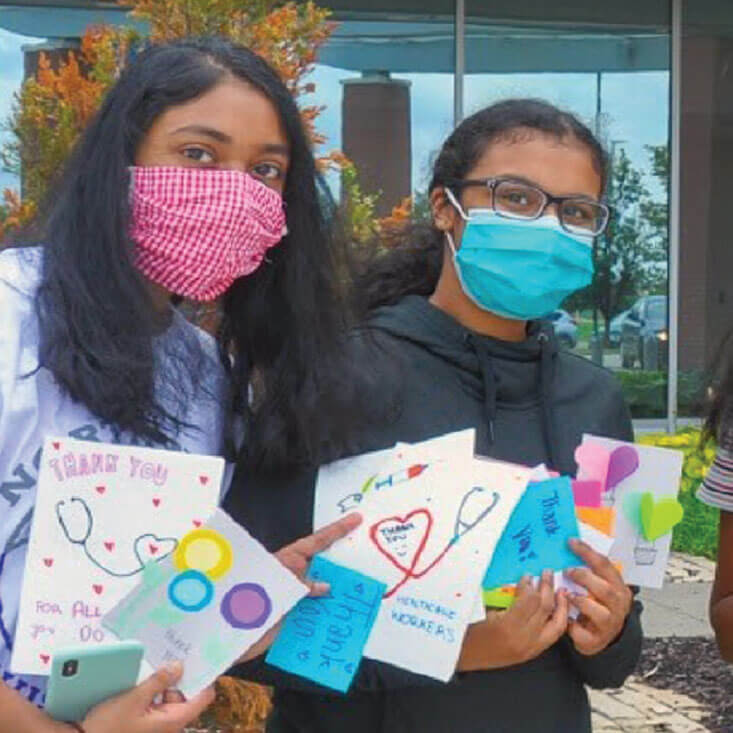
444	213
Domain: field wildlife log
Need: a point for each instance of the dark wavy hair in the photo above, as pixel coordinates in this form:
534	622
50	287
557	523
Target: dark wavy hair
413	266
282	329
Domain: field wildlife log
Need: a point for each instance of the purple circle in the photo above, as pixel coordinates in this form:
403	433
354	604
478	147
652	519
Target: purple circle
246	606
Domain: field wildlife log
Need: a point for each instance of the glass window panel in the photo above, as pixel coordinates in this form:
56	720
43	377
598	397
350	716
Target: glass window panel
608	64
387	88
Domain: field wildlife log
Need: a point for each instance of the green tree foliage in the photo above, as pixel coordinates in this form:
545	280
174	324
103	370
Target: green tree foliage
631	257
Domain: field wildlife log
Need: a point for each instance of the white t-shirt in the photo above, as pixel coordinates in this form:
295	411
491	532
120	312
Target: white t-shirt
33	407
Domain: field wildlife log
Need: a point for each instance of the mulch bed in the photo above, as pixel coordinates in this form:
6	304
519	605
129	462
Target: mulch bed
692	667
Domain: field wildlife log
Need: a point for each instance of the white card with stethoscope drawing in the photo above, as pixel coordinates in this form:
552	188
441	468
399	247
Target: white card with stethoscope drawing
103	511
430	524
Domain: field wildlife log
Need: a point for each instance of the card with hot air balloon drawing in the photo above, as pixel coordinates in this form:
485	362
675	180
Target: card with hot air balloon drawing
639	489
429	538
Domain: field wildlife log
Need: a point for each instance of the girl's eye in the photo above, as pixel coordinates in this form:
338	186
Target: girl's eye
267	171
198	154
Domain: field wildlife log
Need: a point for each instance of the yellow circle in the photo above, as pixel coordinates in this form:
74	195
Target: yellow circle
206	551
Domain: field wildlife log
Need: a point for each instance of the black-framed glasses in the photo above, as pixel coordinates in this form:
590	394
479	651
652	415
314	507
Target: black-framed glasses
516	199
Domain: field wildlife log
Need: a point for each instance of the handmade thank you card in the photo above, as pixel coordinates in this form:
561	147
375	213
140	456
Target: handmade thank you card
206	603
639	492
323	637
429	538
103	512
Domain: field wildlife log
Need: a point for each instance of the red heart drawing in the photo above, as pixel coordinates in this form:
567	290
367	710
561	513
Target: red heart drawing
48	561
204	480
56	445
197	523
98	589
100	489
110	546
45	658
153	549
156	502
402	539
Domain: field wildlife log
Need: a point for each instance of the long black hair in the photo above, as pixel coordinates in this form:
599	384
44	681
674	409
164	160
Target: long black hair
282	328
718	398
413	266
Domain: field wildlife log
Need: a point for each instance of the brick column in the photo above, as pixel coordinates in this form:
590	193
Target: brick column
376	135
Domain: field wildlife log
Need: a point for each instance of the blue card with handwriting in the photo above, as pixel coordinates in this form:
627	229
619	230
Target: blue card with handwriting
323	638
536	536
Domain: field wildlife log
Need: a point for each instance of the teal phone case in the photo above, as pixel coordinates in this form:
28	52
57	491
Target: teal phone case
102	672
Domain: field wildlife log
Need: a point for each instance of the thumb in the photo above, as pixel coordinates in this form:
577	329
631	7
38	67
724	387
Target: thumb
158	683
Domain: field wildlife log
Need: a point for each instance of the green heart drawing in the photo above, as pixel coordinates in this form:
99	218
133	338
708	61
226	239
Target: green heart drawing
659	516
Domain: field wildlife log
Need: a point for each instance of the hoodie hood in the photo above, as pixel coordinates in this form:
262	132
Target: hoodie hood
518	376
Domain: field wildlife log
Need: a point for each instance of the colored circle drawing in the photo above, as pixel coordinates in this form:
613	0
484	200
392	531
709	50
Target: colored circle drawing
246	606
206	551
190	591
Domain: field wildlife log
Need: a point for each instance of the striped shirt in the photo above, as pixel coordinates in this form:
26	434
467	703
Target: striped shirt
717	487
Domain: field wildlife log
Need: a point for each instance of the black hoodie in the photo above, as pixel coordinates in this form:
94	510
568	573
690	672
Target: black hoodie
530	404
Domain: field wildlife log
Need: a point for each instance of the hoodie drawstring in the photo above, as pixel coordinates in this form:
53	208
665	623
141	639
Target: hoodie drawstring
546	379
547	374
489	378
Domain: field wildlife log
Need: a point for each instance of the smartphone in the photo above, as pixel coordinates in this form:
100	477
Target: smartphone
82	677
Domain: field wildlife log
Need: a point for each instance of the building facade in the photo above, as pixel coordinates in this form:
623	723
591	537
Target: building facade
654	79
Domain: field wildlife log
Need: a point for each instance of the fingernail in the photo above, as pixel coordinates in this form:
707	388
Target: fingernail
547	575
173	668
321	588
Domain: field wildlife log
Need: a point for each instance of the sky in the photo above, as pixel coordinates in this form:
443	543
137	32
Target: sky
633	125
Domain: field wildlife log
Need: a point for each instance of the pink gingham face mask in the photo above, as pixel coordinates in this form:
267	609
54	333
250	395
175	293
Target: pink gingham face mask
197	230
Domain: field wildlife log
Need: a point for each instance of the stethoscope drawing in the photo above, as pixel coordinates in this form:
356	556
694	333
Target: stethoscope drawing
80	536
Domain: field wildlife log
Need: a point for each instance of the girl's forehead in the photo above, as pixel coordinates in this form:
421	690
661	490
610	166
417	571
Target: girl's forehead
236	108
560	165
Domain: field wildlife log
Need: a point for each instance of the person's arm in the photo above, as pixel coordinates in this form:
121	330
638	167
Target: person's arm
17	715
600	662
604	642
717	491
721	599
136	707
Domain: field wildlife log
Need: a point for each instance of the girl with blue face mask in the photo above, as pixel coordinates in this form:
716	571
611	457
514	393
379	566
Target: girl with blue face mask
455	311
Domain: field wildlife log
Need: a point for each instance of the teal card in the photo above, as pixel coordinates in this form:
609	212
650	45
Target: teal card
536	537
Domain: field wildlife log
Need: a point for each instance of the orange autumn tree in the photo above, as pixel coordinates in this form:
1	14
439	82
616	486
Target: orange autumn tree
51	110
53	107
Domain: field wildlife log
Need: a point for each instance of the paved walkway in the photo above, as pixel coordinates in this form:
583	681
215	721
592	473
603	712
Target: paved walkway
678	609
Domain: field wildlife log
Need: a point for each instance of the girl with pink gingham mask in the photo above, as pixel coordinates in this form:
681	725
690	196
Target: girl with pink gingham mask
178	189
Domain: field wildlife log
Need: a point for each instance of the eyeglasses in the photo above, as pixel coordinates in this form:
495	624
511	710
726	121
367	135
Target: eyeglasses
518	200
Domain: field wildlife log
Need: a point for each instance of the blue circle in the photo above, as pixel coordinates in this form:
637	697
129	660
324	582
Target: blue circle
190	591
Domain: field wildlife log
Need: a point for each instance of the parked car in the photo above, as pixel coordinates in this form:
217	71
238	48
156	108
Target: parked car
566	329
614	328
644	334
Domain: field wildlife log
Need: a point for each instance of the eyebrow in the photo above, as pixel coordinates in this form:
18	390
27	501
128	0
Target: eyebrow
218	135
276	149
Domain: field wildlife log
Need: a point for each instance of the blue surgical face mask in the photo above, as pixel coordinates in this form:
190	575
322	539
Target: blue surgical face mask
519	269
